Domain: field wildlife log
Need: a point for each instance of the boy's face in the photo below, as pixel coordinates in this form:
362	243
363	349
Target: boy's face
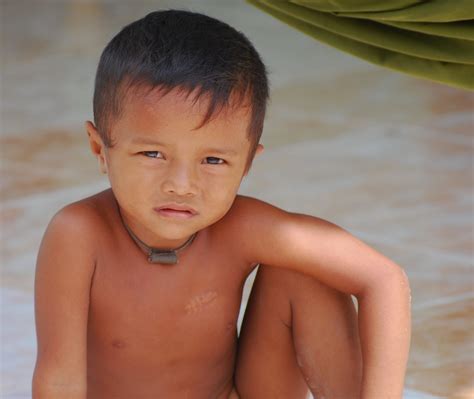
158	163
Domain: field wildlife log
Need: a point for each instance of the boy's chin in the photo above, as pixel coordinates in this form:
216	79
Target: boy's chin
175	233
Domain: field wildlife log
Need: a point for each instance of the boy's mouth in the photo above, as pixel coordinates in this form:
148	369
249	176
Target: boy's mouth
176	211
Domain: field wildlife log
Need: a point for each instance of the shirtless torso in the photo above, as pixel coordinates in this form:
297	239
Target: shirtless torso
159	330
111	325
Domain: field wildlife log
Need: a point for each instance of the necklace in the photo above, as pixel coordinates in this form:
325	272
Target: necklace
156	255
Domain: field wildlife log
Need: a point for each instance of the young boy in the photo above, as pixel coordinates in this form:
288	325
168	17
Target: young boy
138	288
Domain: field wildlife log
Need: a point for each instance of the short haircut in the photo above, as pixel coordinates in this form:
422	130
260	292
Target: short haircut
192	52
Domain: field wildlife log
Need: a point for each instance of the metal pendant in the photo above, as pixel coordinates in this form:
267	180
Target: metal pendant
166	258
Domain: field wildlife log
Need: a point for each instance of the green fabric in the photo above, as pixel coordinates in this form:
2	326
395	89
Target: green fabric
429	39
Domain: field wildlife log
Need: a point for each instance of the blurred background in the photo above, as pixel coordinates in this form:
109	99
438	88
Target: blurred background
384	155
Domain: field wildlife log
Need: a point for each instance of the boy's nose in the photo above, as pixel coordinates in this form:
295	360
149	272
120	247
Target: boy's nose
180	180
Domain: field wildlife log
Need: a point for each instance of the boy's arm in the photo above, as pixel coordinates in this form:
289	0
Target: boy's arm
64	270
321	249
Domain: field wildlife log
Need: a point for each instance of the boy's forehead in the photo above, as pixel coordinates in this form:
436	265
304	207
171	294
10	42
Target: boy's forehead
148	110
178	105
155	99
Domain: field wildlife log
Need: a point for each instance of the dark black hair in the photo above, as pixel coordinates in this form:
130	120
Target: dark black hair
185	50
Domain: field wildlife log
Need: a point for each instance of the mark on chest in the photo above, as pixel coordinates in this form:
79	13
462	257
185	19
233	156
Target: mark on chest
118	344
199	302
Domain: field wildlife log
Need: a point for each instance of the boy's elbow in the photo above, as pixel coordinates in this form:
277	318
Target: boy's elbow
395	280
400	277
390	278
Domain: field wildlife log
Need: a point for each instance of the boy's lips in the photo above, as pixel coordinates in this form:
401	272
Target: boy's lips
176	210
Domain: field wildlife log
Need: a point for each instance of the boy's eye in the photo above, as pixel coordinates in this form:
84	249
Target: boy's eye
152	154
158	154
214	161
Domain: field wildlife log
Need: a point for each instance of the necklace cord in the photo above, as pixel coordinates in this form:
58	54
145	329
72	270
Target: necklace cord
150	251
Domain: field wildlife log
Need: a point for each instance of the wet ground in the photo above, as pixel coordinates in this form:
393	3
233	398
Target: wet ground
386	156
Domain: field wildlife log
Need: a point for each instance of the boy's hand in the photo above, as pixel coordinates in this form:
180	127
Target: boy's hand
336	258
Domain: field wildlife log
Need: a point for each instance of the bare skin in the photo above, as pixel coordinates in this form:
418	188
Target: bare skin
170	331
112	325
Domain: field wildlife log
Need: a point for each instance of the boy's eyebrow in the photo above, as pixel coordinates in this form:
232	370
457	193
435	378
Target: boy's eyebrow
224	151
146	140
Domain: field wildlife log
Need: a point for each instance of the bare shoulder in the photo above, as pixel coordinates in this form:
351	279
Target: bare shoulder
248	220
87	215
73	236
91	208
250	209
254	216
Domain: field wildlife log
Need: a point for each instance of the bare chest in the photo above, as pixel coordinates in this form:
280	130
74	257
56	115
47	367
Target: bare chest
149	320
165	299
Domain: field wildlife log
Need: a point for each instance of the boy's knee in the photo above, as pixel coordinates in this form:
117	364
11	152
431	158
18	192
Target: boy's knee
297	287
304	302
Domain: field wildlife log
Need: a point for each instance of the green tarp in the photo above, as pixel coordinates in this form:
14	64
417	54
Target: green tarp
431	39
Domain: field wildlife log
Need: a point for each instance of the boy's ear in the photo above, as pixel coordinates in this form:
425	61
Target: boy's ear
97	146
259	150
